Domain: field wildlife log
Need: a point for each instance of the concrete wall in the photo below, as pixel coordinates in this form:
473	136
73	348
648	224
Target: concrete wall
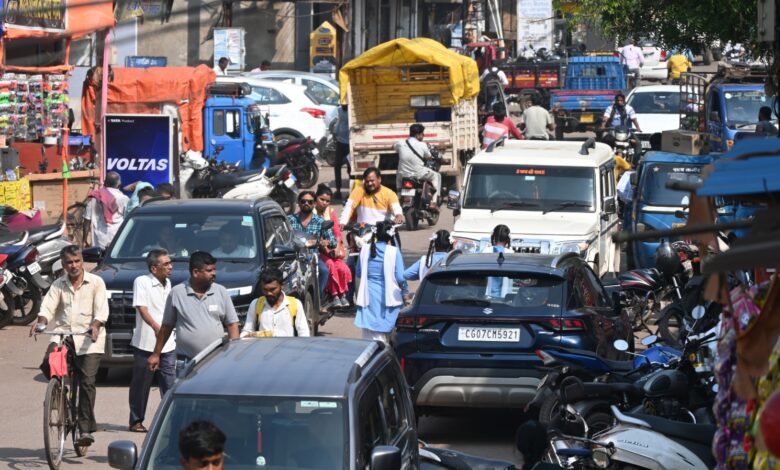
187	38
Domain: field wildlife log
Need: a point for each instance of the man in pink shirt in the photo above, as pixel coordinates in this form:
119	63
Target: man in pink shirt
633	58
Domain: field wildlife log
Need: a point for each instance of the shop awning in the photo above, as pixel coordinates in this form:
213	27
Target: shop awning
463	72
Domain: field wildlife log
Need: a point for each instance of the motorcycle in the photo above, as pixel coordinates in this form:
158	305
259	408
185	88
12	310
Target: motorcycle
300	156
416	196
626	143
209	179
31	266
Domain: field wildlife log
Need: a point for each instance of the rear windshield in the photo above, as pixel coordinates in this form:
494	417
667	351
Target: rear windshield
518	291
655	102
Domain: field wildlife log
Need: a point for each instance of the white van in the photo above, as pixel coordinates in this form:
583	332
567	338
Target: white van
555	197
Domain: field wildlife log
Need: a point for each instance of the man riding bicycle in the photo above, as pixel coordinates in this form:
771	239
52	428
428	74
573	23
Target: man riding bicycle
77	301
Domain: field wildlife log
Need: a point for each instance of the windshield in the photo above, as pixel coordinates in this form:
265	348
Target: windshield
742	106
526	188
224	236
285	433
256	121
655	102
515	291
654	190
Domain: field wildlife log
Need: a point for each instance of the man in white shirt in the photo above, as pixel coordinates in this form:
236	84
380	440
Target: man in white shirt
105	211
412	154
279	315
150	292
619	113
221	68
537	120
228	244
633	58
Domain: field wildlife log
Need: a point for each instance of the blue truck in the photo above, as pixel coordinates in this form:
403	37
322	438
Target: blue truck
656	207
725	107
589	88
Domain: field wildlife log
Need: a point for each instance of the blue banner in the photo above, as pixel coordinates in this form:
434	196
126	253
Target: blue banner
140	148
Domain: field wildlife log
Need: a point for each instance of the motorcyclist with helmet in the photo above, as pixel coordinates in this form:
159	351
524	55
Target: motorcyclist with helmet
412	155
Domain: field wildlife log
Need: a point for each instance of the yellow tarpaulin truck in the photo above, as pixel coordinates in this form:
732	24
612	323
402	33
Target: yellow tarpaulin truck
398	83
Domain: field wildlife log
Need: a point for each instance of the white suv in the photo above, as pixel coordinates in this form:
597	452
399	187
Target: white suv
553	199
293	113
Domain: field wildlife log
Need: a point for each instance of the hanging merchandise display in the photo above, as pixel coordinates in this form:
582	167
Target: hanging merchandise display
33	108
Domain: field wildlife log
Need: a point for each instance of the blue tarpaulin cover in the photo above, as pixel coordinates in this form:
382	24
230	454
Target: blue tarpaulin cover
750	167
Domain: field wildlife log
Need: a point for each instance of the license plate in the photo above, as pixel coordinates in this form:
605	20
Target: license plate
490	335
289	182
315	152
34	268
586	118
407	192
645	144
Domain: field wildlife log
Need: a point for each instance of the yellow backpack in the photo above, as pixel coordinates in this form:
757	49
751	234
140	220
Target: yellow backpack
293	311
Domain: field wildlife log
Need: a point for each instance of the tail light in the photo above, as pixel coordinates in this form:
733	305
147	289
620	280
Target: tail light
566	324
408	184
31	256
410	322
314	112
663	56
3	258
403	364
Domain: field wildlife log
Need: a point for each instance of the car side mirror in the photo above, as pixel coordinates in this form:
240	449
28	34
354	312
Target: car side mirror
386	458
122	455
453	200
93	254
283	253
633	179
610	205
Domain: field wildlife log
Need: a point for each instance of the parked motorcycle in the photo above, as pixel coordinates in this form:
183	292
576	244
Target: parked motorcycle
30	267
416	196
209	179
300	156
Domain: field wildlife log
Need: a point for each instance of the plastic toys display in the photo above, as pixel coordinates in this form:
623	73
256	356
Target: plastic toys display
33	107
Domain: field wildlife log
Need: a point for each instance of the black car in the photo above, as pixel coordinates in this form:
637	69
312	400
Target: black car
309	403
261	231
469	338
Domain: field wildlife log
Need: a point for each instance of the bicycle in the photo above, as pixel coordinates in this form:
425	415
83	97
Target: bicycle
60	405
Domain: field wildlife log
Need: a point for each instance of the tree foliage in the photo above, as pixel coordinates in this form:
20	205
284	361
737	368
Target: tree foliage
673	23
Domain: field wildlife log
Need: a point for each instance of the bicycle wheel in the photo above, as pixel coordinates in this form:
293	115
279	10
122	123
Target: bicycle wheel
54	423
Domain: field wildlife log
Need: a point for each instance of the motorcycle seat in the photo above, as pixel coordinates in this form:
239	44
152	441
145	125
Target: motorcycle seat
614	366
274	170
699	433
229	180
40	233
573	389
284	143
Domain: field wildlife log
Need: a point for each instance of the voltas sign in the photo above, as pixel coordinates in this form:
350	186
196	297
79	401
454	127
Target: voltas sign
139	147
42	15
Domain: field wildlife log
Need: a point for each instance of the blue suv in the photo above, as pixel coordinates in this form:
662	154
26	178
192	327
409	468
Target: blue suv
469	338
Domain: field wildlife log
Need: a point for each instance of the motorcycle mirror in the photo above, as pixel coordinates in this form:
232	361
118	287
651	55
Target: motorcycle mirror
327	225
648	340
620	345
698	312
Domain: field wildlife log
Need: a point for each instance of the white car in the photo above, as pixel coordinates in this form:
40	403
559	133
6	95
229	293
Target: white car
323	89
657	109
654	67
292	111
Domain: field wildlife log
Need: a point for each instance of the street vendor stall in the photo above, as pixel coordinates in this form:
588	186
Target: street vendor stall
34	63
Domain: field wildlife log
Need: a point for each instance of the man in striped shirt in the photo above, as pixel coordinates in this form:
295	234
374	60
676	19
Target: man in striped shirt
371	202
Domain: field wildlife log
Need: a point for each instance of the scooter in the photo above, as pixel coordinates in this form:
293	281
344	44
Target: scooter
416	195
204	178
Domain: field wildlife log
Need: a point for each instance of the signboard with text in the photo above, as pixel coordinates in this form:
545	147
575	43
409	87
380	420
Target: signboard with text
40	15
140	147
144	62
534	24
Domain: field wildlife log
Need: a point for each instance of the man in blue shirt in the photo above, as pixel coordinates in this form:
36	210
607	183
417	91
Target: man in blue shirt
305	220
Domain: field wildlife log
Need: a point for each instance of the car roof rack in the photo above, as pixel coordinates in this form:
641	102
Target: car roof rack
362	360
451	257
202	355
562	257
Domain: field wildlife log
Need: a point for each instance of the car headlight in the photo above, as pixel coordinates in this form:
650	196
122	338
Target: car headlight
574	246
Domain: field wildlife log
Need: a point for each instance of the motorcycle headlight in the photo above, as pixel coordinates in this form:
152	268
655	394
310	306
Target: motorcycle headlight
575	246
601	458
621	136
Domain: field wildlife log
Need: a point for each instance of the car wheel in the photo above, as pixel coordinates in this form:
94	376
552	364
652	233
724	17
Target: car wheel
312	316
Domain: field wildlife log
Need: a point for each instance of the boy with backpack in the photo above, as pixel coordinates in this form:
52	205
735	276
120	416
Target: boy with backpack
275	314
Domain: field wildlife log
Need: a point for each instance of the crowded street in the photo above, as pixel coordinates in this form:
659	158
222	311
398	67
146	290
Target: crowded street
391	234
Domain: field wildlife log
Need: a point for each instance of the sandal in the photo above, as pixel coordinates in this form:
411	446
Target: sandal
138	427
